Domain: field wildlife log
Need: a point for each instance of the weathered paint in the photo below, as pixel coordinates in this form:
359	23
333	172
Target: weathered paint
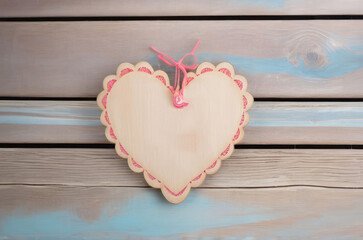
339	63
32	120
313	117
269	4
146	214
55	108
280	58
290	213
263	114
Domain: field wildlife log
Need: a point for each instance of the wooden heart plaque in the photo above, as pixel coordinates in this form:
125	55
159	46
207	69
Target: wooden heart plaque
174	147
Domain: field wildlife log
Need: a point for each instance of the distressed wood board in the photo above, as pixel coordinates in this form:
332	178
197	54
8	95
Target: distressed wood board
280	59
270	122
246	168
53	212
84	8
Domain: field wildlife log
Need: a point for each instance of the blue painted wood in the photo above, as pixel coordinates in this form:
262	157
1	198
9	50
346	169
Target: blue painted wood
274	4
339	62
279	58
142	213
263	114
270	122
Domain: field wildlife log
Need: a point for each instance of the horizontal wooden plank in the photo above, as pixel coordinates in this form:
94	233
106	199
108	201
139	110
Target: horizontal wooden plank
132	213
75	8
271	122
294	59
245	168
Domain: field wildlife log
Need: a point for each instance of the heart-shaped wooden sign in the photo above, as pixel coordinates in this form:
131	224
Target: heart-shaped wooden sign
174	147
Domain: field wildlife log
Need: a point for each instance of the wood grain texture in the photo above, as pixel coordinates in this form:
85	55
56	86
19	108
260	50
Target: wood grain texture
75	8
51	212
271	122
294	59
245	168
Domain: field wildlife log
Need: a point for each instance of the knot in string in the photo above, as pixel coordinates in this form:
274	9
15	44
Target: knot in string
179	65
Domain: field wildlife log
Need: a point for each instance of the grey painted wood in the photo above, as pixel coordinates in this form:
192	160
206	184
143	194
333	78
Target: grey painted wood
56	212
245	168
75	8
271	122
294	59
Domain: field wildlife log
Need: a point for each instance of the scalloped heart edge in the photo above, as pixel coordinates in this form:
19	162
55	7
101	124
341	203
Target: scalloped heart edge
127	68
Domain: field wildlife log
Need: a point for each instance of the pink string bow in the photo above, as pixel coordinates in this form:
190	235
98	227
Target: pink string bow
178	100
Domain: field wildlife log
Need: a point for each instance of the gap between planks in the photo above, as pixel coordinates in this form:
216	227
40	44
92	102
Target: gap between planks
110	145
185	18
94	8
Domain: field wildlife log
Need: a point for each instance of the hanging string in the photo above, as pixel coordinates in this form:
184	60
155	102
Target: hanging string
178	93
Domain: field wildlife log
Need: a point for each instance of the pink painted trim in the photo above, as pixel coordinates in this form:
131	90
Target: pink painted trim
207	69
144	69
245	102
239	83
135	163
225	152
225	71
107	119
151	176
162	79
237	135
179	193
189	79
242	119
213	165
123	150
112	134
198	177
110	84
104	100
125	71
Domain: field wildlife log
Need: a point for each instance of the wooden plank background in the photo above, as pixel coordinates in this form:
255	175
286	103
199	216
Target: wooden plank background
271	122
281	59
55	56
247	168
76	8
123	213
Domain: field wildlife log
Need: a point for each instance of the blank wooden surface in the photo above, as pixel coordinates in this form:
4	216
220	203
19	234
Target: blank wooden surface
246	168
51	212
295	59
54	8
271	122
